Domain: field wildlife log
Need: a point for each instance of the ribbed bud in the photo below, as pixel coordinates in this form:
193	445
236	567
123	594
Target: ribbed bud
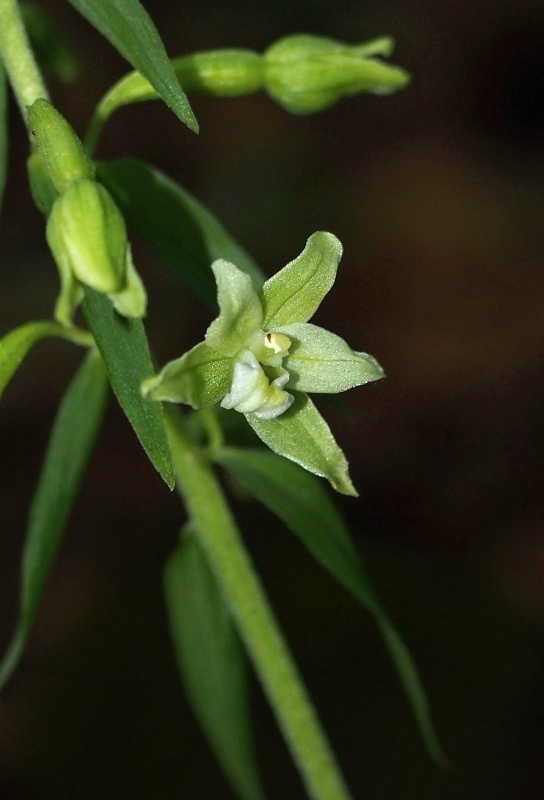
87	236
307	73
86	230
43	192
58	145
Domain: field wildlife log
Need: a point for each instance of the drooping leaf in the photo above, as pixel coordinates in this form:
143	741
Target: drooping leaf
124	348
15	345
185	235
301	502
3	131
212	662
73	435
129	28
295	292
220	73
302	435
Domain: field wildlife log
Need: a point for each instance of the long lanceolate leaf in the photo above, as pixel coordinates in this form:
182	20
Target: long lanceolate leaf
184	234
300	501
211	661
3	131
124	348
128	27
72	438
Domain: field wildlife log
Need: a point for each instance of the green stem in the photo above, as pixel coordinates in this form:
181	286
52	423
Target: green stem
265	644
214	431
18	57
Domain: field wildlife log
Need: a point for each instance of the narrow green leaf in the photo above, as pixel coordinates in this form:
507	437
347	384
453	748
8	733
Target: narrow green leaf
301	502
74	432
302	435
182	233
211	661
3	131
129	28
220	73
295	292
15	345
123	344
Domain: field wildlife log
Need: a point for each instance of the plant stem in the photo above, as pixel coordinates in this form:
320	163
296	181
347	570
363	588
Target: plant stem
208	417
257	626
18	57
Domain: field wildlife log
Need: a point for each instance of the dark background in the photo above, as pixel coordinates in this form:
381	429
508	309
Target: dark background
437	194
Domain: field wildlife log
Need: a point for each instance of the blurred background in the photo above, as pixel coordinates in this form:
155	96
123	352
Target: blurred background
437	194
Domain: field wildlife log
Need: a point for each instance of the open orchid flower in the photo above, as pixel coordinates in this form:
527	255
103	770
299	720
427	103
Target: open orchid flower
261	357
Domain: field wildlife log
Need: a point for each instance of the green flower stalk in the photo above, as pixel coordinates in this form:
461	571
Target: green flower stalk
261	357
303	73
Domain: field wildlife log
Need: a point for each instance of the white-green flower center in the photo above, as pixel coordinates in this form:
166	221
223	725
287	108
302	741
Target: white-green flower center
252	390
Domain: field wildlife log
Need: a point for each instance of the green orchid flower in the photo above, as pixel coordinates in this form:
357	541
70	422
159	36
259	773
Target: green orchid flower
261	357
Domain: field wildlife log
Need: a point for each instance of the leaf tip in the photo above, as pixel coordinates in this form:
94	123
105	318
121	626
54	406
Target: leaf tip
190	120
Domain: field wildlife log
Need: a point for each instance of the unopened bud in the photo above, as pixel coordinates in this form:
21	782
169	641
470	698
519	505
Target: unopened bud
42	190
87	236
307	73
86	229
59	146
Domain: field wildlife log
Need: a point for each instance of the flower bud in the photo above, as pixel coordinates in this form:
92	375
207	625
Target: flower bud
86	229
58	145
87	236
307	73
42	190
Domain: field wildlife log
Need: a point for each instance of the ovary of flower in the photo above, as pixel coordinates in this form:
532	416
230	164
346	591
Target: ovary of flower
252	391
